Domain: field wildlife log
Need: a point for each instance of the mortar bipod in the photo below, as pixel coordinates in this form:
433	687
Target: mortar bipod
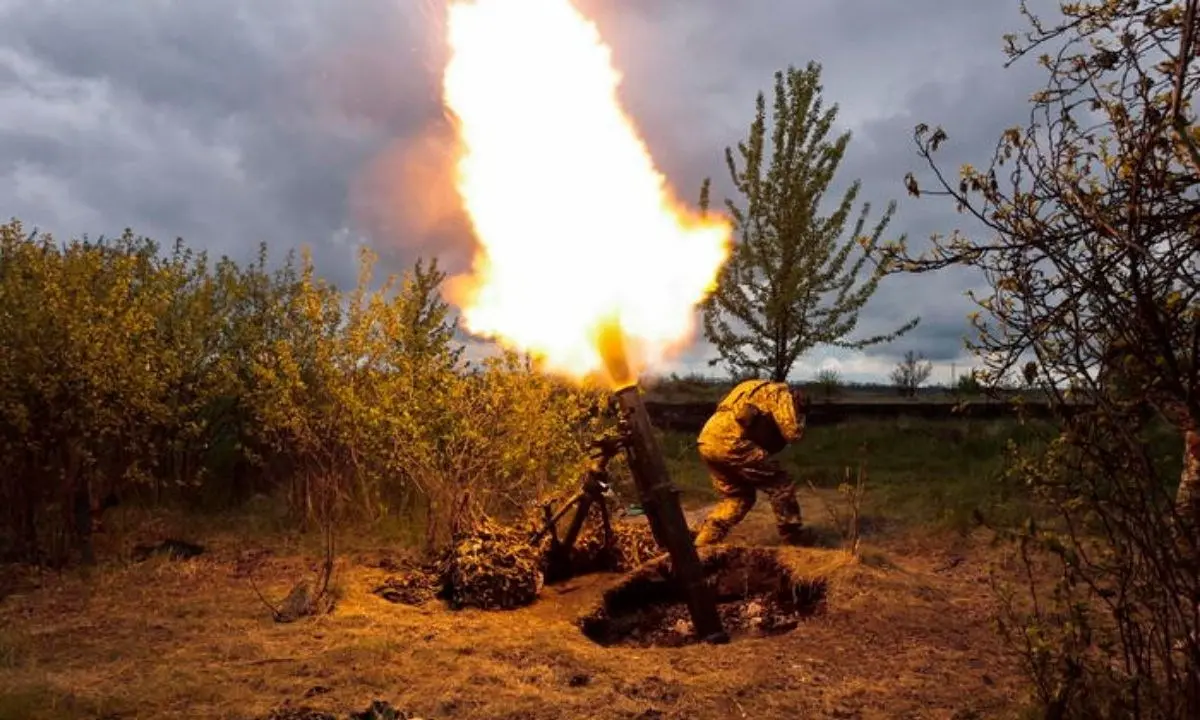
594	488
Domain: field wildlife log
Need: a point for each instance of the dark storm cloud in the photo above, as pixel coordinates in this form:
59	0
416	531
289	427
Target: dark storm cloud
974	121
318	121
226	123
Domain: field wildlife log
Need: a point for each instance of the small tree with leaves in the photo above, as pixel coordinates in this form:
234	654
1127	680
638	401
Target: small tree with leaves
911	373
790	284
1089	218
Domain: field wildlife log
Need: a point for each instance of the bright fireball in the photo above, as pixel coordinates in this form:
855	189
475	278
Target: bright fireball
575	226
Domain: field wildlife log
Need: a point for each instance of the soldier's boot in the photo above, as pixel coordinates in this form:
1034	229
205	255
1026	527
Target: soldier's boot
788	521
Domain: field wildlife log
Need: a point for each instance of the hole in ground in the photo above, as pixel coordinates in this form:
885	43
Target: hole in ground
757	593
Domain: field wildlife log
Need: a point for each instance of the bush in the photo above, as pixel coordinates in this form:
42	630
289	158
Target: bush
968	385
828	383
1101	293
86	374
164	378
1106	624
911	373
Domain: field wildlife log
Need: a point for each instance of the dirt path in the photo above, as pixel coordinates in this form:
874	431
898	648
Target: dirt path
905	636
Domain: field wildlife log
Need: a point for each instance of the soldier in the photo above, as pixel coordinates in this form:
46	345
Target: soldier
758	419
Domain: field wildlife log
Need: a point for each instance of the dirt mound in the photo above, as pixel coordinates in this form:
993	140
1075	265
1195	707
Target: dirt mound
757	593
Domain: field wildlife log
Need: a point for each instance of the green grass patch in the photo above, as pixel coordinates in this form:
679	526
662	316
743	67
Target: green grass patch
919	472
927	473
687	471
930	473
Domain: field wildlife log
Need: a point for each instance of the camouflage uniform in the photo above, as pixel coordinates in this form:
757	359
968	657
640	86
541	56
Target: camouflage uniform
739	459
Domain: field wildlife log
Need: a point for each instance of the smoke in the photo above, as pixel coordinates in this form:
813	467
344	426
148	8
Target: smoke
405	199
375	86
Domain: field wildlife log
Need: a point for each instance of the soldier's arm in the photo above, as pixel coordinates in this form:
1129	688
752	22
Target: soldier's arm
779	405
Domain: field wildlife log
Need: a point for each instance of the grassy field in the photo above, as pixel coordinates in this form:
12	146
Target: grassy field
906	633
927	475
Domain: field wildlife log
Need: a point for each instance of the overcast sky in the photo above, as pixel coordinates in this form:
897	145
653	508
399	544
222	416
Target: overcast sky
318	122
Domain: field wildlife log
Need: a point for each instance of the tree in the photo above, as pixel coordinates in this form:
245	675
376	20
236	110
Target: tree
968	385
1089	217
829	381
789	284
911	373
125	368
83	382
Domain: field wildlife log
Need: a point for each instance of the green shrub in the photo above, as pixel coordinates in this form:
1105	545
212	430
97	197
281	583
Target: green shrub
164	378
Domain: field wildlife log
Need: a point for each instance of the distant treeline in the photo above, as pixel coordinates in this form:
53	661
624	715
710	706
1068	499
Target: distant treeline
691	416
830	386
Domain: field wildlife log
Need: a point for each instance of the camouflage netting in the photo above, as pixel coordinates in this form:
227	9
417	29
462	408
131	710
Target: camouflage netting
633	545
413	587
495	567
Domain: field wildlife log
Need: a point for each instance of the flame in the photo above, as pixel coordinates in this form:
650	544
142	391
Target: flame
578	232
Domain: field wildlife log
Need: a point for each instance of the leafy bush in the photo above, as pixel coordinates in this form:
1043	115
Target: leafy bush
166	378
1103	292
1107	622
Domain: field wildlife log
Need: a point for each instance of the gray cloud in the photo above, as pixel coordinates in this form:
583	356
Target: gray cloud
226	123
888	66
318	122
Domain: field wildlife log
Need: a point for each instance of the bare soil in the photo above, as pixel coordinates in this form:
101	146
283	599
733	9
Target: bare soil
905	633
759	592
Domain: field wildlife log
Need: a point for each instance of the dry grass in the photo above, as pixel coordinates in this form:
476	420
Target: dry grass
903	636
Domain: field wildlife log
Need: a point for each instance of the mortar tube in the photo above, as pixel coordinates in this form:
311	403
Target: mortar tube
660	498
668	523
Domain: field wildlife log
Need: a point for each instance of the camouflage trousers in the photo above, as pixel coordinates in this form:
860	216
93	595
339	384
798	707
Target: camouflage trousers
737	477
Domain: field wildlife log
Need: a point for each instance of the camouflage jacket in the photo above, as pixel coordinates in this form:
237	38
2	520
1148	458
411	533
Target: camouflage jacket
731	427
